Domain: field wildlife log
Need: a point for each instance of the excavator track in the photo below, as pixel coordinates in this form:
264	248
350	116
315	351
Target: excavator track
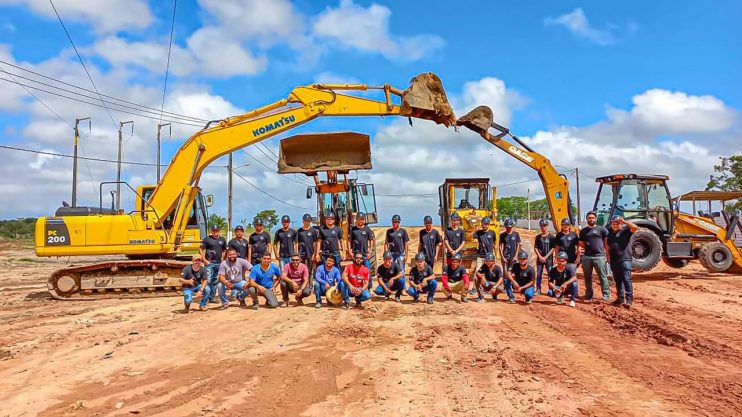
117	279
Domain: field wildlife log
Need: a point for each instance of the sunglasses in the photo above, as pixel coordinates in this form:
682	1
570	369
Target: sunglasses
296	260
196	260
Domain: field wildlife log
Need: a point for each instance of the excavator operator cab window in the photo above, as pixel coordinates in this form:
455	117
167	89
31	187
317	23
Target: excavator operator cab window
470	197
604	203
630	202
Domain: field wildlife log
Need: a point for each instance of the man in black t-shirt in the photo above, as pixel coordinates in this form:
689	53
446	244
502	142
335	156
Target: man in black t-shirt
454	238
430	242
567	241
489	278
563	279
307	237
594	244
485	242
238	242
258	242
455	279
543	249
422	279
390	278
330	241
362	240
193	279
509	246
212	252
396	242
619	257
522	279
285	237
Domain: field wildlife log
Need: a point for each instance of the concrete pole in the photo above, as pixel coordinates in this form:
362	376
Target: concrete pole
118	162
159	128
229	198
74	159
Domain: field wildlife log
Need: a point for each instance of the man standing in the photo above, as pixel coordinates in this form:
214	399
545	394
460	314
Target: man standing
489	278
232	272
544	248
593	241
330	240
286	238
327	276
454	238
354	281
295	280
619	257
263	280
238	242
521	279
566	241
361	241
430	242
485	242
422	279
258	242
562	278
396	243
455	279
307	237
212	252
390	277
509	246
193	279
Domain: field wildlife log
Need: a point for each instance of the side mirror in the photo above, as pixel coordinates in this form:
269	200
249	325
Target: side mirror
309	192
209	200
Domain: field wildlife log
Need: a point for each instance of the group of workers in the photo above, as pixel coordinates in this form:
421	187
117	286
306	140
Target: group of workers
243	267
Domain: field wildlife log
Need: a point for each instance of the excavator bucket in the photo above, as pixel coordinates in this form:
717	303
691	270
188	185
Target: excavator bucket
310	153
425	98
479	120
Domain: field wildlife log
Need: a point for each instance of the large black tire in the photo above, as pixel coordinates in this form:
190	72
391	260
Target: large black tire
675	262
646	250
715	257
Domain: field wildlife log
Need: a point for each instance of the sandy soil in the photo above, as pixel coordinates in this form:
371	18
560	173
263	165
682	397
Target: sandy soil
677	353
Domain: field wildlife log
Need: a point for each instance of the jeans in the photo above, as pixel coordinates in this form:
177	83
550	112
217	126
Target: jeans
571	289
367	264
269	296
540	269
622	276
429	288
212	278
398	286
239	288
365	295
598	263
285	290
528	292
188	295
398	258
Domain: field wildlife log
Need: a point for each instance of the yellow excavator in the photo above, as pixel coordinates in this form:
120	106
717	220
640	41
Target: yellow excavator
147	232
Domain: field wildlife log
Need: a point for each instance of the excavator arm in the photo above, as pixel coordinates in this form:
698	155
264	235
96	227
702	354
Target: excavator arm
555	185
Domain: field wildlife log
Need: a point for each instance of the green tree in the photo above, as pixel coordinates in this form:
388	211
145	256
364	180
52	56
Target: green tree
513	207
728	178
269	217
215	219
22	228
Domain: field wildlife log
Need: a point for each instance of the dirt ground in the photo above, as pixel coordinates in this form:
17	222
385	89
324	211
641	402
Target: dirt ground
679	352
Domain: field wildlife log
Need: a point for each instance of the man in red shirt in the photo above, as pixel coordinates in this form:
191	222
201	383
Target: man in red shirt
355	281
295	280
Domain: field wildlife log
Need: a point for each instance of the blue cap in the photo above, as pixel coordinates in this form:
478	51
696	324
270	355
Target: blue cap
330	215
257	222
543	222
285	219
396	218
387	255
427	219
456	257
509	222
616	218
522	255
562	255
361	215
239	227
490	257
307	217
420	257
566	222
455	216
486	220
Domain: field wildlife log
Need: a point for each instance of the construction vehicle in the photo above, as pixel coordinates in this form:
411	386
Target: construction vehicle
470	198
666	233
157	231
336	154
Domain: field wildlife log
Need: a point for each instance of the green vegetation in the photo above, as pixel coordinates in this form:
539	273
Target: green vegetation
516	207
215	219
729	178
19	228
269	217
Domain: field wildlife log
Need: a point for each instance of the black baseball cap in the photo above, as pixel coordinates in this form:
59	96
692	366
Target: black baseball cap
285	219
215	227
522	255
616	218
490	257
566	222
420	257
456	257
427	219
361	215
486	220
307	217
330	215
543	222
387	255
562	255
396	218
509	222
239	227
257	222
455	216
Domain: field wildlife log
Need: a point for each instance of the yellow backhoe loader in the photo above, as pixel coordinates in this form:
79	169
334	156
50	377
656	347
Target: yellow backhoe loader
148	233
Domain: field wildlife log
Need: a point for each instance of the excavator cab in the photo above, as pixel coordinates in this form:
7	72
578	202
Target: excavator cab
196	228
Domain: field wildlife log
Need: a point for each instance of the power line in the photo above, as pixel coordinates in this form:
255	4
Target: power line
304	180
38	99
167	67
269	195
269	169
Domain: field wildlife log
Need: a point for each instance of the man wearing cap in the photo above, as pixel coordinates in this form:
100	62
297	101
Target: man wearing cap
212	253
193	279
455	279
264	278
485	241
295	280
567	241
430	242
354	281
619	257
390	278
330	240
489	278
563	278
521	279
258	242
509	246
396	243
454	238
422	279
285	237
232	272
307	238
361	241
326	277
594	243
544	248
238	242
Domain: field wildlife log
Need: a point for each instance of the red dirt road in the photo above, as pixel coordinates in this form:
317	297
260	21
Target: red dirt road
677	353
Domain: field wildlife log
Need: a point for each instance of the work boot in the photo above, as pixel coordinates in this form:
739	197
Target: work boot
187	309
430	301
618	301
255	306
560	299
346	305
628	304
224	307
243	303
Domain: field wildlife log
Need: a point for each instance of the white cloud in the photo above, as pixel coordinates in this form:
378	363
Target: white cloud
576	22
367	30
218	55
267	20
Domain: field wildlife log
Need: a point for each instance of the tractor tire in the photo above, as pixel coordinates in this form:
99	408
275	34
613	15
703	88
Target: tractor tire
646	250
715	257
675	262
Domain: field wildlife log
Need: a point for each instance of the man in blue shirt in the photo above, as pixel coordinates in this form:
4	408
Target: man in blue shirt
326	277
264	277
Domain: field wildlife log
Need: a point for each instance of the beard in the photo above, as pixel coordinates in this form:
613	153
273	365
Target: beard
232	259
591	223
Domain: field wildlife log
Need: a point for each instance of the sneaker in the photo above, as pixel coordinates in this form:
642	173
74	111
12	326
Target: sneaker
494	297
528	301
318	305
473	291
627	305
449	296
224	307
464	299
618	301
572	303
430	301
187	309
214	301
480	299
560	299
285	304
255	306
397	299
386	298
243	303
346	305
511	301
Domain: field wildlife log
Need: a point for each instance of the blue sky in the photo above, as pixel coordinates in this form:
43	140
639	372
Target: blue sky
659	79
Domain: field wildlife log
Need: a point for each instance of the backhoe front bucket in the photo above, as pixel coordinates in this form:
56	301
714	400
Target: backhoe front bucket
309	153
425	98
479	120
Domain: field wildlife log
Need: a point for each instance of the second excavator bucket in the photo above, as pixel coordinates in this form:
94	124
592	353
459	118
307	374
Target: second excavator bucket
309	153
425	98
479	120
